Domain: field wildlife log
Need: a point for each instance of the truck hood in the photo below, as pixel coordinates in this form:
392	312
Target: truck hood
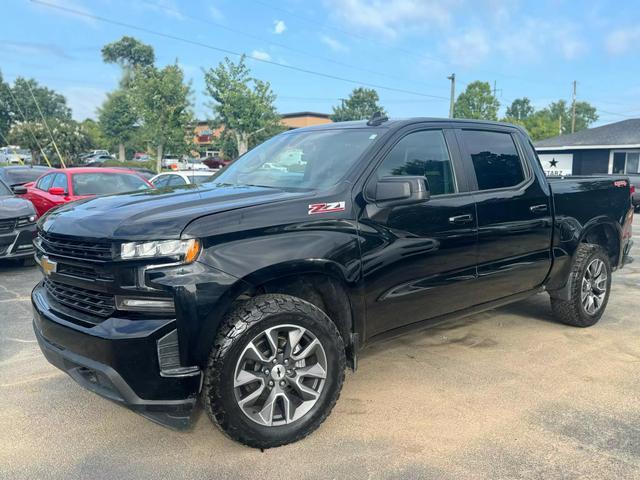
152	214
13	207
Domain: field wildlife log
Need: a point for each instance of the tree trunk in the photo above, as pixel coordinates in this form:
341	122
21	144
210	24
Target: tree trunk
121	152
242	140
159	161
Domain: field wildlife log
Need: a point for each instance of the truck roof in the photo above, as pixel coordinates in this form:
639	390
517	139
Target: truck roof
400	122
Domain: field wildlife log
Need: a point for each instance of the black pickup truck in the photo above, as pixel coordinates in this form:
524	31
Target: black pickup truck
256	290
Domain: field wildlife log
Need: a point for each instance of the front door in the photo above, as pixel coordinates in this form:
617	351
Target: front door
513	209
419	260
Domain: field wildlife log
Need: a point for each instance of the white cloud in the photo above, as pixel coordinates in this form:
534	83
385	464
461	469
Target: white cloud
260	55
279	27
84	101
391	17
333	44
623	40
468	49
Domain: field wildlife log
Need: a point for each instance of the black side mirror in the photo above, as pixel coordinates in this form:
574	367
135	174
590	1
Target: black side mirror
400	190
19	189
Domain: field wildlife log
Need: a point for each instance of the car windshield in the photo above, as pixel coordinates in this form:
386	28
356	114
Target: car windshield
23	175
4	189
200	178
305	160
104	183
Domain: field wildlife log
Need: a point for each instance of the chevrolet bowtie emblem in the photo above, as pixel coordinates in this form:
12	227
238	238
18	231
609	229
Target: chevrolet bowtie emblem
48	266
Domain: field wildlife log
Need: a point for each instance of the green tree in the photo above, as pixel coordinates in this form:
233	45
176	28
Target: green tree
51	103
70	138
477	102
520	109
94	133
242	103
161	100
361	105
5	110
130	53
118	120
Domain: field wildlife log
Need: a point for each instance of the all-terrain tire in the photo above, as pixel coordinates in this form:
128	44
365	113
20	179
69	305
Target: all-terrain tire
247	320
572	312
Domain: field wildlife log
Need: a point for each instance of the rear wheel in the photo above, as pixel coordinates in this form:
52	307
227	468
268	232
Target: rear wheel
275	371
590	286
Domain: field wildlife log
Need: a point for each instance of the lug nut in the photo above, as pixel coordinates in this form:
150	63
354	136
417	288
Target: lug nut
266	371
286	361
274	361
282	383
271	383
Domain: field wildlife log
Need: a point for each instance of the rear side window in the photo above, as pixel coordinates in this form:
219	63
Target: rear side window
45	182
425	154
176	180
495	159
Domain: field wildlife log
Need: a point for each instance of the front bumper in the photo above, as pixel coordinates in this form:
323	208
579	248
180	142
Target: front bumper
117	359
18	243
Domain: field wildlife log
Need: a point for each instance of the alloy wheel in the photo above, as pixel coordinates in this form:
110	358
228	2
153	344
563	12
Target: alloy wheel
280	375
594	286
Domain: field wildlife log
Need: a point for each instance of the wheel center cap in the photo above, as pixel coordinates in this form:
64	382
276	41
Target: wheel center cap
278	372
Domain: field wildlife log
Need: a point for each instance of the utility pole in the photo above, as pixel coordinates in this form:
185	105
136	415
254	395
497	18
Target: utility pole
573	108
452	77
494	88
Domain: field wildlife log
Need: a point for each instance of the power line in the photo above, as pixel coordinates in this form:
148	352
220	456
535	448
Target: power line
282	45
231	52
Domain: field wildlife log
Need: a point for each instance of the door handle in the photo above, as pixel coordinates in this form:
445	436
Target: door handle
538	208
461	219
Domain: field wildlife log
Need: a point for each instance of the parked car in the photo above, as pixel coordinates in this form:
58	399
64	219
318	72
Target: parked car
215	163
17	225
96	153
19	175
256	290
96	159
169	160
635	185
14	155
70	184
141	157
182	177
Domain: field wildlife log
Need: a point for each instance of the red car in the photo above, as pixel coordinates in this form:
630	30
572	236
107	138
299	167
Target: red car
69	184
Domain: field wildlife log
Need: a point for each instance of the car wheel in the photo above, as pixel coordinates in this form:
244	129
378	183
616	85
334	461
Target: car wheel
275	371
590	287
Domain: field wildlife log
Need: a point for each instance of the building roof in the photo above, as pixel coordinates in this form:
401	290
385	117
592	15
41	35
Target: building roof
614	135
305	114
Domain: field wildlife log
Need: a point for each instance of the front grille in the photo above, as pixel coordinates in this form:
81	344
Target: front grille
57	245
85	272
7	226
89	301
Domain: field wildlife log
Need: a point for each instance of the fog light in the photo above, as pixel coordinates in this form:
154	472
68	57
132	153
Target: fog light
145	304
169	357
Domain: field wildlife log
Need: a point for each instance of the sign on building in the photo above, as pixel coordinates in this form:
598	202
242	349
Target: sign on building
556	164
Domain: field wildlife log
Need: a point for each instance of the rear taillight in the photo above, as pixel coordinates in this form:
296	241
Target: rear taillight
632	189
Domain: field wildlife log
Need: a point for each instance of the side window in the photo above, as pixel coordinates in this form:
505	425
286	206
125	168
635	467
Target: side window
161	181
45	183
495	158
60	180
422	153
175	180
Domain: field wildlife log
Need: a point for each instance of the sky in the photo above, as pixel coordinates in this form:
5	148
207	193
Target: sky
314	53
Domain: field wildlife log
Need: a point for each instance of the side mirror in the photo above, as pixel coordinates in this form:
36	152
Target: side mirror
400	190
57	191
19	189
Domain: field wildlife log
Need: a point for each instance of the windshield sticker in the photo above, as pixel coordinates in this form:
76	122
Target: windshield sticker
328	207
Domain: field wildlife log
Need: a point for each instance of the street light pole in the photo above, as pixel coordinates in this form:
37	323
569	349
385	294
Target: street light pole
452	77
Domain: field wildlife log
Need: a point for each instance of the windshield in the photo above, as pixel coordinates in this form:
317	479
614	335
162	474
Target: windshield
4	189
23	175
106	183
308	160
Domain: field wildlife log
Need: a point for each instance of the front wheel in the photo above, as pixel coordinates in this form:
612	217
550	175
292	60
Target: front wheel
275	371
590	286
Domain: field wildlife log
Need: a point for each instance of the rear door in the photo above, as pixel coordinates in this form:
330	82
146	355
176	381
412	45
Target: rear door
39	193
419	260
513	211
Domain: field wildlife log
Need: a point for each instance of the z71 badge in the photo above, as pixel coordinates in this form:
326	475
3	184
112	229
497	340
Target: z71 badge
328	207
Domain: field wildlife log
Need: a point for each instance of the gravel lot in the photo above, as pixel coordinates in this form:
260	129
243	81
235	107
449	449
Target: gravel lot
504	394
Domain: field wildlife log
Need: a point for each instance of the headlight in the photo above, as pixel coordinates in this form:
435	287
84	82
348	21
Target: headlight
187	250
